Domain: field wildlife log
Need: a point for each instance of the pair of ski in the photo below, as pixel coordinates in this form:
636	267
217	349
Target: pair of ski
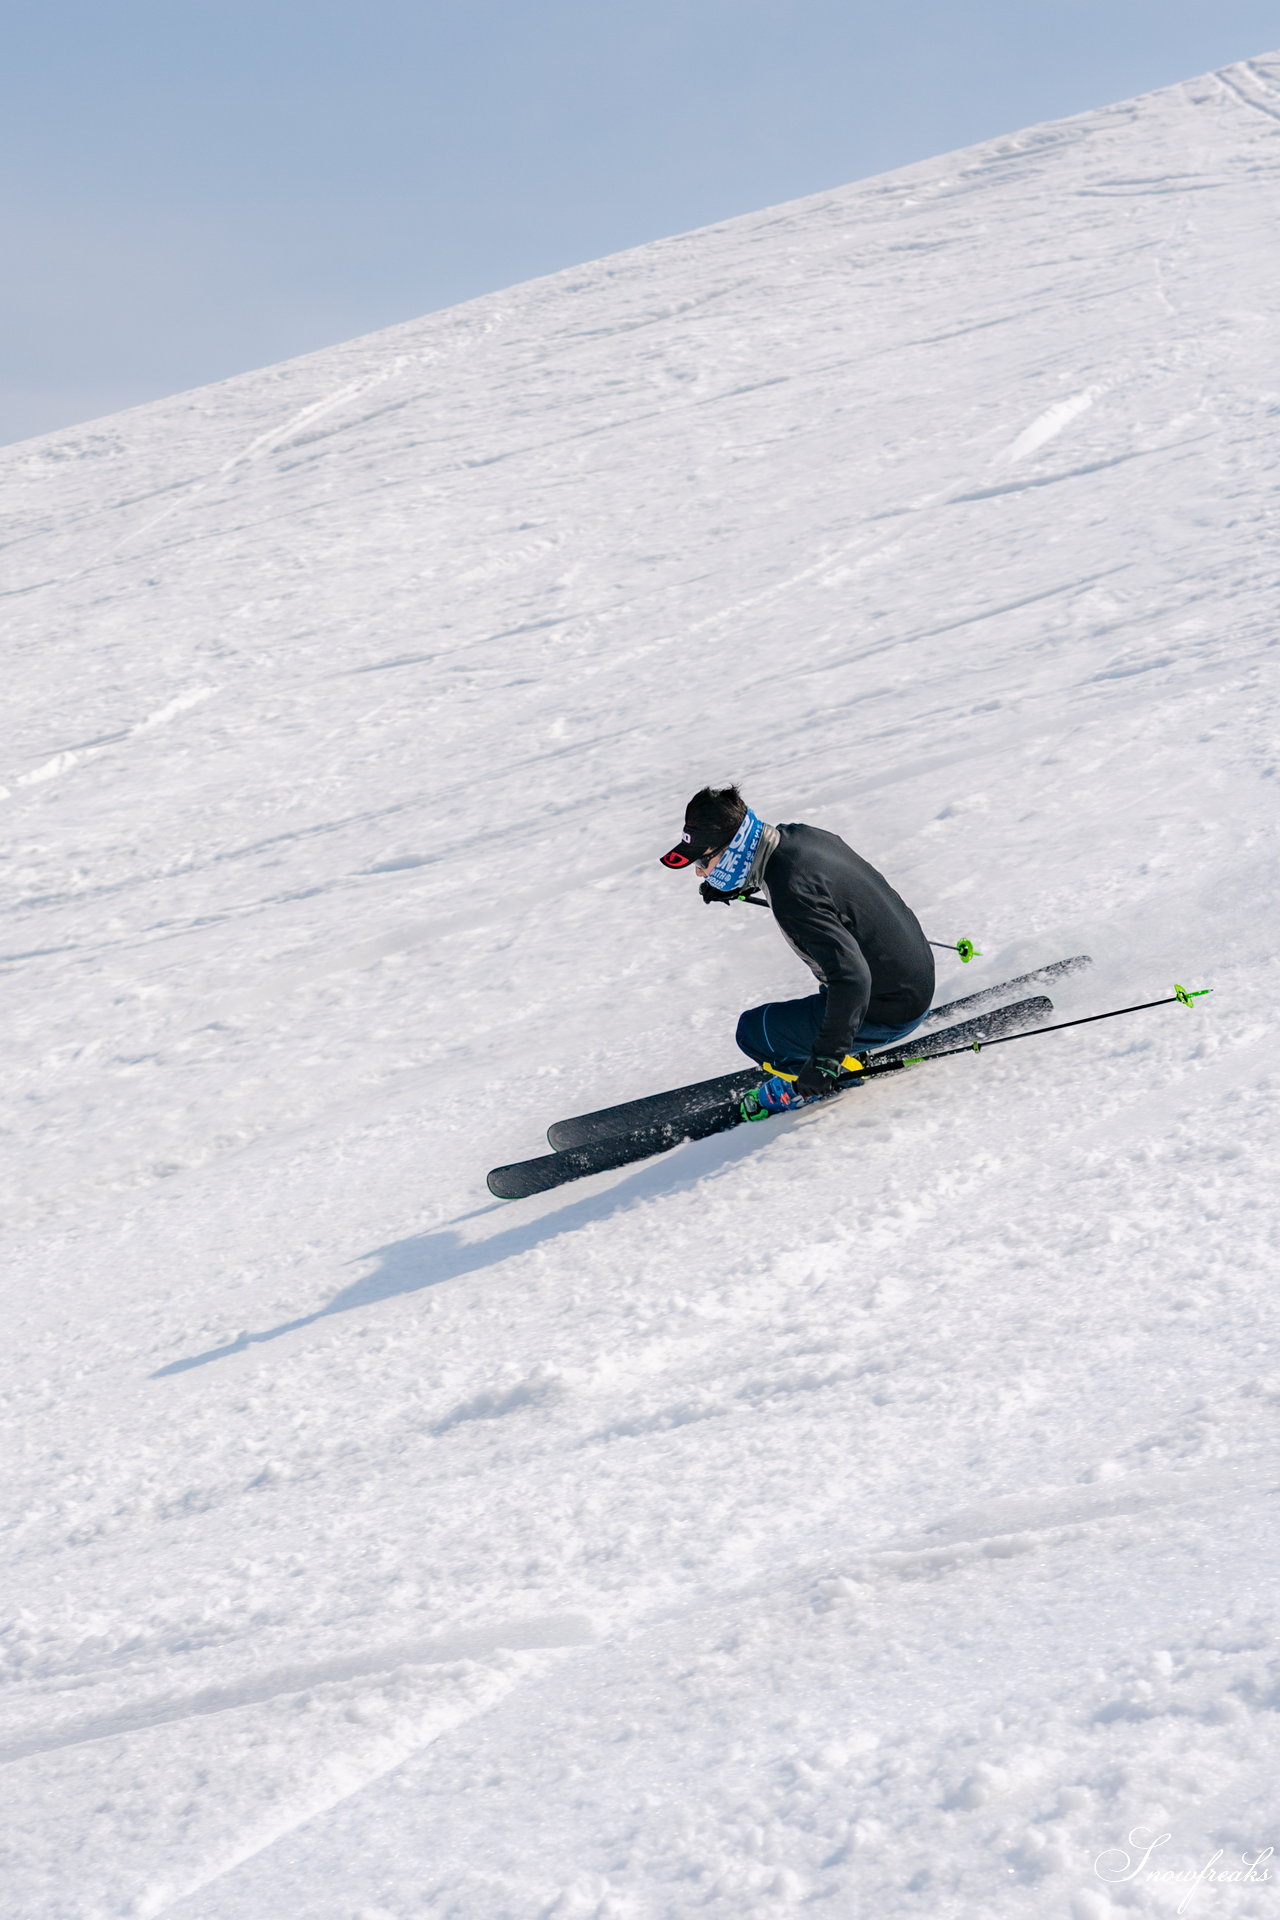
617	1136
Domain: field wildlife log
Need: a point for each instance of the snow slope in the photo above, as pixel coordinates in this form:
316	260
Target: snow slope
873	1512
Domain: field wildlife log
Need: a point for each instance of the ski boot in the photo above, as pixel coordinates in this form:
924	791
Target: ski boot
773	1096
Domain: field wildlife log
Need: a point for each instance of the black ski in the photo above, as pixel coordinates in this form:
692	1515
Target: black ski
1038	977
584	1128
711	1106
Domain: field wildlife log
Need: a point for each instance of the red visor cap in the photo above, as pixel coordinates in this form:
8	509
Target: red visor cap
688	850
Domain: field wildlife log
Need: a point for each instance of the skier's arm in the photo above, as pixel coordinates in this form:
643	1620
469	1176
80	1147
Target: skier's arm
812	925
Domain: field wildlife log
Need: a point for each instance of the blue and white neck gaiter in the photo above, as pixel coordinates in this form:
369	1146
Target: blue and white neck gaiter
734	864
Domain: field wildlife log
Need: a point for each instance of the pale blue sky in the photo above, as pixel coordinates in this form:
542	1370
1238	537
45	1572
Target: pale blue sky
191	188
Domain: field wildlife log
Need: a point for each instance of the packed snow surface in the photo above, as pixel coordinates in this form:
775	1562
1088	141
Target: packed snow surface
868	1513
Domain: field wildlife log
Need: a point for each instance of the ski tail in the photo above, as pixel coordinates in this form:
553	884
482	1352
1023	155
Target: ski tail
965	1033
987	996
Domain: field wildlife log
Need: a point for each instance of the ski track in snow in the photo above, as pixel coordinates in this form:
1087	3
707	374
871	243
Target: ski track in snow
567	1632
1052	422
870	1513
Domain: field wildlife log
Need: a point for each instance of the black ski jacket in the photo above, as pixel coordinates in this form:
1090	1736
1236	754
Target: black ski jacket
849	926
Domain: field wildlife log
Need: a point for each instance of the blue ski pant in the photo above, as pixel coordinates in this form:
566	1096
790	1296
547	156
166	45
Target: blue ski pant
783	1032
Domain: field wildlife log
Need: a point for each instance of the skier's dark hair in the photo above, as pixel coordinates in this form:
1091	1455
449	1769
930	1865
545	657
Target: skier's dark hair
715	814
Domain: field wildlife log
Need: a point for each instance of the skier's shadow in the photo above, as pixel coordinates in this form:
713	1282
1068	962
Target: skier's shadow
429	1259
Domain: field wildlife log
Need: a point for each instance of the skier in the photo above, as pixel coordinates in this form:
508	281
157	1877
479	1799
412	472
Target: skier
863	944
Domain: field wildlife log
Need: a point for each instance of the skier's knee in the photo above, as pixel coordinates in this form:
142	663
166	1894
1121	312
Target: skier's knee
750	1036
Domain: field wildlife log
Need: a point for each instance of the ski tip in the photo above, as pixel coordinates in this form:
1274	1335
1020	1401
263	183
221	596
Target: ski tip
523	1178
503	1186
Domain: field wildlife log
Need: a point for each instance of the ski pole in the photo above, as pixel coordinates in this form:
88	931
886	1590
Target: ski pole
1186	996
965	948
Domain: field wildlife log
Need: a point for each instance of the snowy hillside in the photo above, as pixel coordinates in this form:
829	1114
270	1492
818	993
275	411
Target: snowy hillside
872	1512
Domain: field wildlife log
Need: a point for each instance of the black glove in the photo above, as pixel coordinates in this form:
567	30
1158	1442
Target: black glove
710	894
819	1074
